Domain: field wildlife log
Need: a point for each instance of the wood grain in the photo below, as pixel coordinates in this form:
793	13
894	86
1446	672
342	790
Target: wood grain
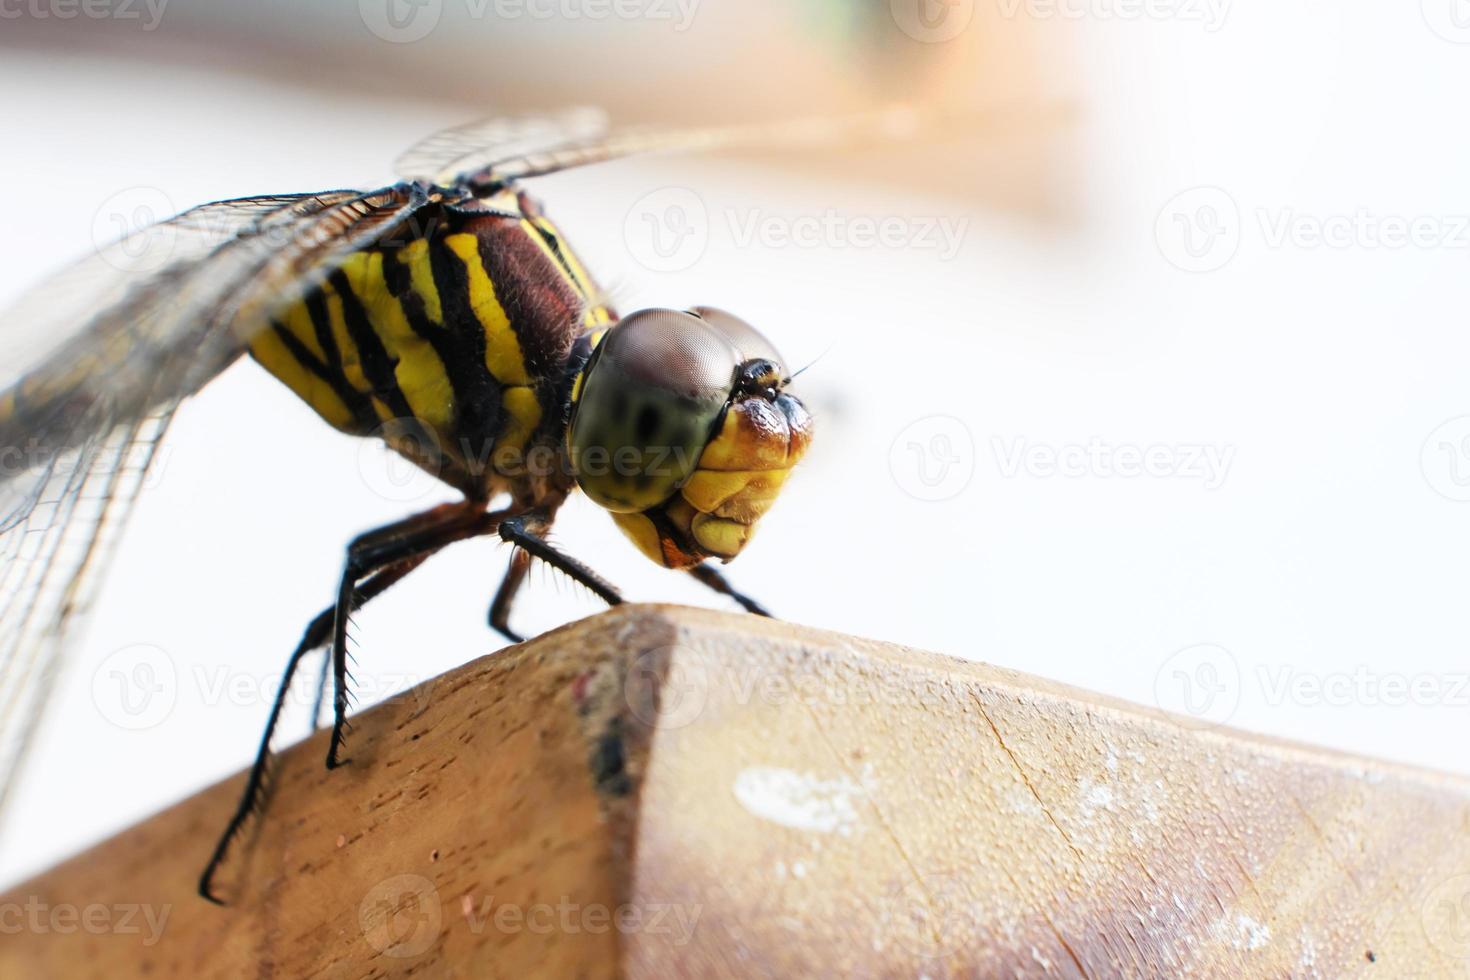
660	791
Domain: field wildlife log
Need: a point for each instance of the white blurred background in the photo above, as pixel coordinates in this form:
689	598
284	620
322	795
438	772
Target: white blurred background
1155	384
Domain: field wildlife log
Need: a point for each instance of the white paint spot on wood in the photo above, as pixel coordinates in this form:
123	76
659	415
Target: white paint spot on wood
1307	964
1154	794
1093	797
1243	933
799	800
1256	933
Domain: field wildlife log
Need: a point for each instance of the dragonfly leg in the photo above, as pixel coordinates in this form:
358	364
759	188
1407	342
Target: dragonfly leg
707	574
415	537
521	531
316	635
324	677
515	575
365	593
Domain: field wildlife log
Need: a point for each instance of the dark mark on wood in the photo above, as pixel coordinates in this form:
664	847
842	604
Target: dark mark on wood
609	762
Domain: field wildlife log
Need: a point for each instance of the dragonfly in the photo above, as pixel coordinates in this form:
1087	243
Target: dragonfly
445	315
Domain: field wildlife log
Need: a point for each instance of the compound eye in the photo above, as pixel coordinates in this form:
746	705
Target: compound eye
648	405
748	341
675	351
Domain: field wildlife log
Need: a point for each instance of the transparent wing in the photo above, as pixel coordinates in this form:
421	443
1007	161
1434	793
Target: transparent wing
50	561
487	154
154	316
107	349
446	156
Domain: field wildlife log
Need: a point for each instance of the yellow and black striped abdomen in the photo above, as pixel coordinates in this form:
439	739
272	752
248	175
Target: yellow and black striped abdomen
459	337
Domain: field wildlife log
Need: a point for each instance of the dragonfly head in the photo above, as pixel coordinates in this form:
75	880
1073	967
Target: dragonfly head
681	427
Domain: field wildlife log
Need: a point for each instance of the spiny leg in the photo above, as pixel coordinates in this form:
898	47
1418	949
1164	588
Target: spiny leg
315	635
515	576
521	531
708	575
415	537
499	617
324	676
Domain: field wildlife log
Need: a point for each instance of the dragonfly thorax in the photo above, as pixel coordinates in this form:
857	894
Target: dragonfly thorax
454	339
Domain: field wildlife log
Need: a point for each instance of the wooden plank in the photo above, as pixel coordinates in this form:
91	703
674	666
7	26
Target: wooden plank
660	791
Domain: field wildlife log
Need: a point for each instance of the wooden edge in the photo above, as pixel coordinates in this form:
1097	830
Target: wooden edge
659	791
